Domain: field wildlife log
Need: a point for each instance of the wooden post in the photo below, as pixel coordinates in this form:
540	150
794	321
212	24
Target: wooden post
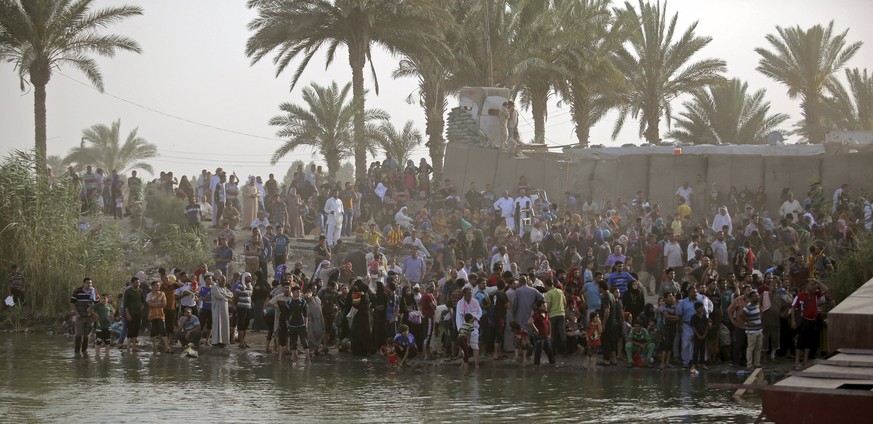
756	377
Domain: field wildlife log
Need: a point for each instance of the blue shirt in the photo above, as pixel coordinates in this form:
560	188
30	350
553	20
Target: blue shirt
280	244
205	293
191	323
413	269
404	341
619	281
587	276
592	295
480	296
225	253
685	309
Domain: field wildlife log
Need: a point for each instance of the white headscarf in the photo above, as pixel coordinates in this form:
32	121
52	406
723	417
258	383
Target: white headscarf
381	190
721	220
323	271
402	219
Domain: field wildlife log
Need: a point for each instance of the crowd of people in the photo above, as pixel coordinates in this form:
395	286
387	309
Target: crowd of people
716	277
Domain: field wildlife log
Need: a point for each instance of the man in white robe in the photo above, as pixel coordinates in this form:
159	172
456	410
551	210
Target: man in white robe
524	203
221	296
469	305
506	206
333	207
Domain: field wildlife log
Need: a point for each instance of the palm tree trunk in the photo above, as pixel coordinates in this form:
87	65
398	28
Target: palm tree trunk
580	111
435	110
653	132
539	108
815	131
357	60
39	120
333	165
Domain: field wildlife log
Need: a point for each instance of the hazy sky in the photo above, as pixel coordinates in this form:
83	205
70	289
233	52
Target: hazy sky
193	66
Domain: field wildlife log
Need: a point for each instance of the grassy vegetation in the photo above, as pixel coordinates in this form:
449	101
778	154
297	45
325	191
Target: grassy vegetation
854	268
187	248
169	231
40	229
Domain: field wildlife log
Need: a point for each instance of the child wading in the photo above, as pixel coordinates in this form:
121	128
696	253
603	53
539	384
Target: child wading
464	334
595	329
388	350
522	342
404	345
540	325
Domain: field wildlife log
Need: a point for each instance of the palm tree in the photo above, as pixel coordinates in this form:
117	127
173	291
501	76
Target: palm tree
726	114
539	42
324	123
806	62
658	69
852	109
40	36
399	144
295	28
592	82
442	73
101	146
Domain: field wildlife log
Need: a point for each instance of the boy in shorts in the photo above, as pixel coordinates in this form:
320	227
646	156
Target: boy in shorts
464	340
103	311
297	322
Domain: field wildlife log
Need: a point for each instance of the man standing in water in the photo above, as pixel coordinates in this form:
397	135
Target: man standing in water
221	296
82	299
468	305
157	301
297	322
134	302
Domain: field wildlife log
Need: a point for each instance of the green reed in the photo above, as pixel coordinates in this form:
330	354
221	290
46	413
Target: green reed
40	229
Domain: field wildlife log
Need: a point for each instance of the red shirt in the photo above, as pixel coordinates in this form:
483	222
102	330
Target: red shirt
428	305
807	304
541	322
653	254
493	279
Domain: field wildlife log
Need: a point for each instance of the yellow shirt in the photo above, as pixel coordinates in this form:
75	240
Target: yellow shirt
684	211
373	238
677	227
555	301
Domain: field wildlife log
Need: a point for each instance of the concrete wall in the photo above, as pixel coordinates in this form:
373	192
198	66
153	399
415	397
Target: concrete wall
850	324
657	175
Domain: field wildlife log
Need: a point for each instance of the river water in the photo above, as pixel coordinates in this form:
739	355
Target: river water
43	382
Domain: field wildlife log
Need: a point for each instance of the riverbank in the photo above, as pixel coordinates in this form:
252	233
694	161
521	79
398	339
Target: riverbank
576	363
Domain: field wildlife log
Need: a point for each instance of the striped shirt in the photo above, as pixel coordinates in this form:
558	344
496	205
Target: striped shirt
83	299
243	297
753	319
395	237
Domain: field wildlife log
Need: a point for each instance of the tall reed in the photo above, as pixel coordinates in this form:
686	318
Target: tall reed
40	229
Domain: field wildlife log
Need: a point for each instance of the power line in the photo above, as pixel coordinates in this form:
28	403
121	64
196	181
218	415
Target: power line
528	124
169	115
215	160
207	153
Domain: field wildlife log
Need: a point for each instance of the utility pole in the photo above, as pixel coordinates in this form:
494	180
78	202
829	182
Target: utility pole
490	72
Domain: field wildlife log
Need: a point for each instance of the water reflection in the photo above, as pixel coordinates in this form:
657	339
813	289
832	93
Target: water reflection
42	382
